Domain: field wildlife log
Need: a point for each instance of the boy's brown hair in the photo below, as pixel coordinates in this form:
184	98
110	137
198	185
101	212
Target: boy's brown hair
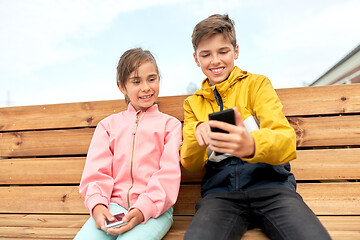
215	24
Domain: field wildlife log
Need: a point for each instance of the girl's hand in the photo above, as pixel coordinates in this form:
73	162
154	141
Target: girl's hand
133	218
202	134
100	214
238	142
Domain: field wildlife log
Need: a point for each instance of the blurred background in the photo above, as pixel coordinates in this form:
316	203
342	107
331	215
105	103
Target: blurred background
60	51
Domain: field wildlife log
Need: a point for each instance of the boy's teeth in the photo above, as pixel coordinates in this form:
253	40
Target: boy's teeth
217	70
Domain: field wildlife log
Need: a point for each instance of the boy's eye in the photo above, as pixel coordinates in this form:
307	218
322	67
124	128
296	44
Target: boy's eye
223	52
205	55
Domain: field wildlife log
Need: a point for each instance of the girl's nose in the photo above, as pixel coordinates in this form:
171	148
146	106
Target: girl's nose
145	87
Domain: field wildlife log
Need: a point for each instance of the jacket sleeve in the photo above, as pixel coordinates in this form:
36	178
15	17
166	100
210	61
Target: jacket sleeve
193	156
163	187
275	141
97	182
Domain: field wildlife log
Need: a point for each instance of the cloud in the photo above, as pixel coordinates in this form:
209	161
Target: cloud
39	33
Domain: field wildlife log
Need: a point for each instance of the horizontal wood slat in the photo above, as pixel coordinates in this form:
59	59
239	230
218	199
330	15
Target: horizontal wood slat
74	115
319	164
323	198
45	143
327	131
40	226
29	171
327	164
313	131
55	116
322	100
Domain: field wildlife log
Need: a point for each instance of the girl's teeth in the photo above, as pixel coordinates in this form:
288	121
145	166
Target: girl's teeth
145	97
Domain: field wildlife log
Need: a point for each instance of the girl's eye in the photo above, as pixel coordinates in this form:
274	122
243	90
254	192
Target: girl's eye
223	52
136	82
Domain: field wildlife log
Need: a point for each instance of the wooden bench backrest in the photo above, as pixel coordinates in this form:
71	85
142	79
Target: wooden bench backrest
43	150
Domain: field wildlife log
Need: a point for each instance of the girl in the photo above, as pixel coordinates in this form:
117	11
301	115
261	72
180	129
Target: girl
132	166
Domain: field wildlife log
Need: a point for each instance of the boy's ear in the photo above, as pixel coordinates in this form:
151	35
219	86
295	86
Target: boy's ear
196	59
236	55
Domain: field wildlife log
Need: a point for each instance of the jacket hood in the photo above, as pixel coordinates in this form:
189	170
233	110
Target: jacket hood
207	91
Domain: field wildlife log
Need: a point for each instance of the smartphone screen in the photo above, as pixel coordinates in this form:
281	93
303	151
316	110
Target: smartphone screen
117	222
227	116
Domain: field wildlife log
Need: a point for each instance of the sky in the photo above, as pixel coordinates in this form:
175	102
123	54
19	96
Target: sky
59	51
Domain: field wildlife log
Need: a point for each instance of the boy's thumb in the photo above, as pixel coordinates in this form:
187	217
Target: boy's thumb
238	118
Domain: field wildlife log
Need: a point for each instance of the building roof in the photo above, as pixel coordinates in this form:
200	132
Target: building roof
348	56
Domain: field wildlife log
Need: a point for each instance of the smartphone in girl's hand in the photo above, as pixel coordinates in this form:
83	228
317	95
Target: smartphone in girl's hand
118	222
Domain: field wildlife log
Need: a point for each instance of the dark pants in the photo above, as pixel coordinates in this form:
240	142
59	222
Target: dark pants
280	213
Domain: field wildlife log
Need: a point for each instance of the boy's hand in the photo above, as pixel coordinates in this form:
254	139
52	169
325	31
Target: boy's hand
100	214
133	218
238	142
202	133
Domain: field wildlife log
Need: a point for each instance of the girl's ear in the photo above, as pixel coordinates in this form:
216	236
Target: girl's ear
122	89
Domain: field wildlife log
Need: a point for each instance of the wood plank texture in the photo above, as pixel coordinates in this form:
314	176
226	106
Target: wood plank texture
323	100
28	171
327	131
55	116
327	164
340	227
313	131
319	164
45	143
43	150
320	100
341	198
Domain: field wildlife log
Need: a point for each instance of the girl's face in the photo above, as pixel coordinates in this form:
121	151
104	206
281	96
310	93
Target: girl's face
142	87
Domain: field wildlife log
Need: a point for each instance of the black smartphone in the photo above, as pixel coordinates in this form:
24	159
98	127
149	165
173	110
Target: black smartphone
227	116
117	223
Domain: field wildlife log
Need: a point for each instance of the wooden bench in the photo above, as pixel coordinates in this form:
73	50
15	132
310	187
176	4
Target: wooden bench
43	150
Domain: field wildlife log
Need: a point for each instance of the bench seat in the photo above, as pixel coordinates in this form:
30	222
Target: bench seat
43	150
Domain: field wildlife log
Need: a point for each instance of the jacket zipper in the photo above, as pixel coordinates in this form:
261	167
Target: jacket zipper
132	160
218	99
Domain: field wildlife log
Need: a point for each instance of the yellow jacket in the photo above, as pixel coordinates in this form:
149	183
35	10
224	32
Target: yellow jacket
253	95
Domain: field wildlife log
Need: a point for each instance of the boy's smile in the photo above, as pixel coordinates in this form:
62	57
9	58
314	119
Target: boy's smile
215	56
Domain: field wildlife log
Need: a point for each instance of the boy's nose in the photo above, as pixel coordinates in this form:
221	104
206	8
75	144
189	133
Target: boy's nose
215	59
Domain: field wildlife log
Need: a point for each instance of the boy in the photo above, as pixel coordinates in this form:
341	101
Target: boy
250	185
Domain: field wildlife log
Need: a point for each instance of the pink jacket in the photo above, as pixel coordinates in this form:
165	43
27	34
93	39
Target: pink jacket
133	160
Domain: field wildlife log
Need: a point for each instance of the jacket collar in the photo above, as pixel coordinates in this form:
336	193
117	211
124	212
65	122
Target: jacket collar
207	91
153	109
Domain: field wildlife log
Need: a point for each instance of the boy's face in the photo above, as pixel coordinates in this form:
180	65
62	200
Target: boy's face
216	56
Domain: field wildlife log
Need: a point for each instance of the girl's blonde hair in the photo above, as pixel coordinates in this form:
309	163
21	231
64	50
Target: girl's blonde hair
129	62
